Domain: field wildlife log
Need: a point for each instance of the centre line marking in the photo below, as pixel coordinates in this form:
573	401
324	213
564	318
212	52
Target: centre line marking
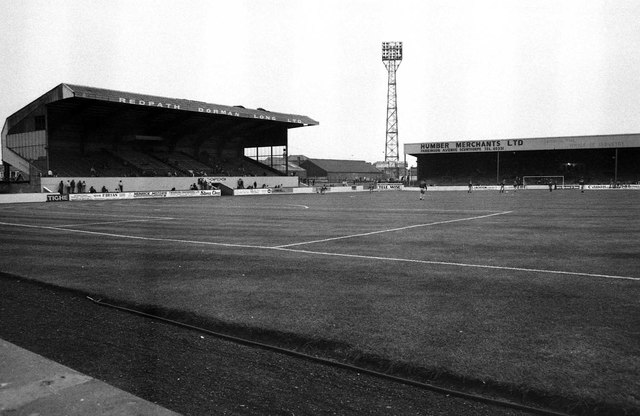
392	230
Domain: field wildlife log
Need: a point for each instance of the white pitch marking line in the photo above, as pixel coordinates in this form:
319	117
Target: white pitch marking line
446	263
97	214
392	230
320	253
132	237
112	222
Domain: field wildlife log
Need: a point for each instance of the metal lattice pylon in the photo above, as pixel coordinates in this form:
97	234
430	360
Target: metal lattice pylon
391	57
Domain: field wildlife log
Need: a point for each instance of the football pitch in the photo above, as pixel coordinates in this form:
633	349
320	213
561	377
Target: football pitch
530	291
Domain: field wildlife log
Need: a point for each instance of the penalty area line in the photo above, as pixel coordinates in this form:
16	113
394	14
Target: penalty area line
408	227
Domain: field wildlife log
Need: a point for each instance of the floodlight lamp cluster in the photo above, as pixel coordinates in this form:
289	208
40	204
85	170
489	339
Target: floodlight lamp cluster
391	51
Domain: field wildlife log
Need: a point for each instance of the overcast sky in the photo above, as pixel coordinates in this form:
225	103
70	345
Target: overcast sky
471	69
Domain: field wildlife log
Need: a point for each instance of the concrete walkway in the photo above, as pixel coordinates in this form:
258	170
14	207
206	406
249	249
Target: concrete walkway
32	385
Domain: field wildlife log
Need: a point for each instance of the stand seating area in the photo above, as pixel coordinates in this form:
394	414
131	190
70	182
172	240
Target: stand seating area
129	162
100	163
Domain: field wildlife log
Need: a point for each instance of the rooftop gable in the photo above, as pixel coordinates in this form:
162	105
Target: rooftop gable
334	165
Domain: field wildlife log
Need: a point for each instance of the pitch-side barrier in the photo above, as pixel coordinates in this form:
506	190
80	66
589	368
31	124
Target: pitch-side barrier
55	197
528	187
104	196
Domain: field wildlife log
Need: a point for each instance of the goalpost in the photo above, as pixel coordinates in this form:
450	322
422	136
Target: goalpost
542	180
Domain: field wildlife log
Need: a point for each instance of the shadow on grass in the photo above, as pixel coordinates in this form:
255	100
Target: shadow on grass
346	354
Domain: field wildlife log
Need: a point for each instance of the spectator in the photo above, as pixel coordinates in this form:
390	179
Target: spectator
61	188
73	186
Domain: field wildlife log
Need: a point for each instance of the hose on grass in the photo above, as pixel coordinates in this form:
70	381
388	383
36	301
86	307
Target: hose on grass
337	364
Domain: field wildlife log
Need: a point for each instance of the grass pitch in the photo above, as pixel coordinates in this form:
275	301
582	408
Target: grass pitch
533	290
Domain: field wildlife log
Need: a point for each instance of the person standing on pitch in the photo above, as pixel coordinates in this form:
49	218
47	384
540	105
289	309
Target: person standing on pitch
423	189
470	186
502	187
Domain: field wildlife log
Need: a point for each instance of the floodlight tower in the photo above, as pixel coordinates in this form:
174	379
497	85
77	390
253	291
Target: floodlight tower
391	57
